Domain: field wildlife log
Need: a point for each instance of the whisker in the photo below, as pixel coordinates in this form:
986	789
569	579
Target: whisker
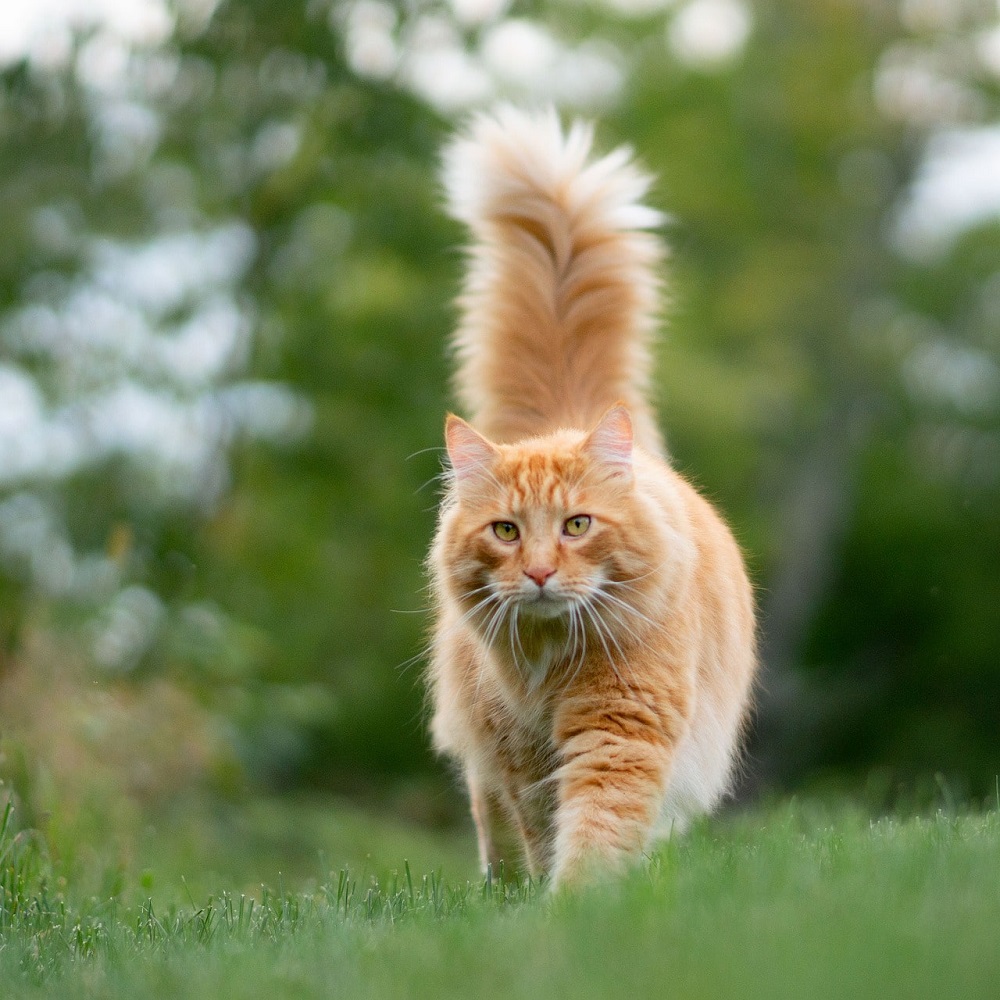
571	636
439	478
618	599
517	634
600	634
415	659
601	627
479	590
490	633
510	632
631	612
479	606
634	579
423	451
579	636
492	628
611	635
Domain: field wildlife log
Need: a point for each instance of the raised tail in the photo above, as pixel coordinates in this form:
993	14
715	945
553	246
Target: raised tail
561	293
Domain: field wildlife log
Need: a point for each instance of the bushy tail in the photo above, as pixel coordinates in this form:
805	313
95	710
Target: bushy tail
561	294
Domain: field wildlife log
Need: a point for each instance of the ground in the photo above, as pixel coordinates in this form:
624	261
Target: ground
791	900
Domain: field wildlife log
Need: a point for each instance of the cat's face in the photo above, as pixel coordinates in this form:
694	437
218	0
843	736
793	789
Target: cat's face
546	526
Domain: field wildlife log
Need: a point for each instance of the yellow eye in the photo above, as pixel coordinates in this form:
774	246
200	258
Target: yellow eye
506	531
576	526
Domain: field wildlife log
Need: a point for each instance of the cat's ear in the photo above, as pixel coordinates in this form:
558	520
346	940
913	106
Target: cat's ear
610	442
469	452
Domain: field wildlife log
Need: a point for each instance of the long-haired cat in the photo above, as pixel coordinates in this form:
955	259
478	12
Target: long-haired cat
593	647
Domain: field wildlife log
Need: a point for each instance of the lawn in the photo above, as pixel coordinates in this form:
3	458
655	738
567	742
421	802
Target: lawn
794	900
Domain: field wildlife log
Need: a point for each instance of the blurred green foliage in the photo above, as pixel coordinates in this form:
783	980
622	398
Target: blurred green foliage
834	390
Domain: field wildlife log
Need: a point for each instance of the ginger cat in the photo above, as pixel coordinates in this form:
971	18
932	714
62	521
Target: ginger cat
594	644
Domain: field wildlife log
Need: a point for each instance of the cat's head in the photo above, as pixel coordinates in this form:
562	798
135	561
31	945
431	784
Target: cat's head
546	524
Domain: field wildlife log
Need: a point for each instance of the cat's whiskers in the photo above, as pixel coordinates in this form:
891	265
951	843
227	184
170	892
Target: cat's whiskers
636	637
479	590
618	622
489	637
579	641
571	635
515	639
612	638
480	606
583	642
597	623
631	612
630	581
492	627
537	667
546	657
438	478
602	629
426	651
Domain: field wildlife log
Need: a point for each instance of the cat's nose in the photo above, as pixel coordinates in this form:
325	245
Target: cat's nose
539	574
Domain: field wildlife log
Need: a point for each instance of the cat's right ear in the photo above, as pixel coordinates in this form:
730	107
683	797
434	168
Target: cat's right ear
468	451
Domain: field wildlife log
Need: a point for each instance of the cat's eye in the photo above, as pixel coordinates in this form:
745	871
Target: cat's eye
576	526
506	531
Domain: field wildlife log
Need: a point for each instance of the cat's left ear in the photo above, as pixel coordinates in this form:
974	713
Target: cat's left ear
610	442
468	451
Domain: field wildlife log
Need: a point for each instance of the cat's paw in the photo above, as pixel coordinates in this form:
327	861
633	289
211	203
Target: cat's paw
585	867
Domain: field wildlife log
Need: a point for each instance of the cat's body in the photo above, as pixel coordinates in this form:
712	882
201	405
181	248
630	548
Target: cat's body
593	650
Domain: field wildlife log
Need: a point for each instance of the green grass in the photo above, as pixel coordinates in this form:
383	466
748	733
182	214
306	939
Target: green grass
793	901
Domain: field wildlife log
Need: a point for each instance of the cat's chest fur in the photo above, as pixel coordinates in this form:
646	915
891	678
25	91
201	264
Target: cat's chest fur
525	684
538	665
535	653
530	676
518	732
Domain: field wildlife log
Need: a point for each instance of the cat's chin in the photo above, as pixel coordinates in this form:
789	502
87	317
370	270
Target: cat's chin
545	607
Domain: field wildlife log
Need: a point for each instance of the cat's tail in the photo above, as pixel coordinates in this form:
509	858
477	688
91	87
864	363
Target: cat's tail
561	291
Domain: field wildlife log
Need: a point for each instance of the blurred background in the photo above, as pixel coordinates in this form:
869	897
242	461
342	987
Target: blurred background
225	286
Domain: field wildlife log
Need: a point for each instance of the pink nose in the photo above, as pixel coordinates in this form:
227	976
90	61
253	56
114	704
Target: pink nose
539	574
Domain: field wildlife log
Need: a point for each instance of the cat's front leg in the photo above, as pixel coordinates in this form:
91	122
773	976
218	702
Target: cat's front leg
507	830
486	815
531	812
616	753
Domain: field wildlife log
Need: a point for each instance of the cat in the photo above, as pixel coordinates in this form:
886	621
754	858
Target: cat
593	647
